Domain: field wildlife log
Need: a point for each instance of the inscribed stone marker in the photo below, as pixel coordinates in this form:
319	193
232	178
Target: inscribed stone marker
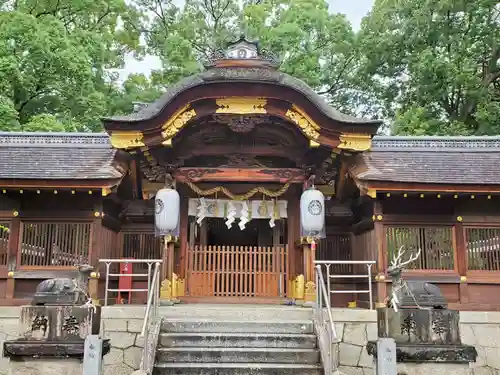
386	357
92	356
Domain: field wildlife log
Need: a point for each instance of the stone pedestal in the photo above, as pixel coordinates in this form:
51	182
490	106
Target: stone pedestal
423	335
52	339
58	323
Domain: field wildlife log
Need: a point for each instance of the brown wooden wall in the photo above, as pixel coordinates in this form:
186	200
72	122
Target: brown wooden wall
459	239
44	234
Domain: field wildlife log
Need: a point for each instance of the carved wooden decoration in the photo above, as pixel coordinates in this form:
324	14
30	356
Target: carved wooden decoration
306	125
154	172
288	174
240	160
240	175
176	123
240	123
196	174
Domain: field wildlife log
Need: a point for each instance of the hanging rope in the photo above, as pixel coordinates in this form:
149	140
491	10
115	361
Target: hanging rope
248	195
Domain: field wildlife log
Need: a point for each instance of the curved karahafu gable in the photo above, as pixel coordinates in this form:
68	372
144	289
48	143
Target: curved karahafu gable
232	75
244	81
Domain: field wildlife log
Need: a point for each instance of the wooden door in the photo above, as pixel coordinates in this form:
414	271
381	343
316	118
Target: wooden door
237	271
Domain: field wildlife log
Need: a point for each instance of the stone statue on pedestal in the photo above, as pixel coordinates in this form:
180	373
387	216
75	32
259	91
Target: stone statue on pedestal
54	327
64	291
412	293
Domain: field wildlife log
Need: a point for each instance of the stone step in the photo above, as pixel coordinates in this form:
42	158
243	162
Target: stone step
236	369
237	355
238	340
237	312
217	326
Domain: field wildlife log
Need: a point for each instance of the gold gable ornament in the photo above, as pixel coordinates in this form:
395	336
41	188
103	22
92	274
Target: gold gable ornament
241	105
306	125
355	141
176	123
125	140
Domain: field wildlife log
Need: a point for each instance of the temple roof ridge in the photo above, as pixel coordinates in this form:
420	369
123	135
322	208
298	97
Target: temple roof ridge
54	139
437	143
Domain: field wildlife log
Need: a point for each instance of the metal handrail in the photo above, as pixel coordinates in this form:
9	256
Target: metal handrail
325	330
150	327
153	295
368	275
108	262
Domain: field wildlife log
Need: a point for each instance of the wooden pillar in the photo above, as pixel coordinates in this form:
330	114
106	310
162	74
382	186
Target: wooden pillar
95	252
12	254
183	239
309	251
94	288
168	285
459	242
294	258
382	261
96	243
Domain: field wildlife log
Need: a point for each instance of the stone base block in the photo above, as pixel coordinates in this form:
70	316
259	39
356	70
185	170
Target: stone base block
414	353
433	369
418	326
31	366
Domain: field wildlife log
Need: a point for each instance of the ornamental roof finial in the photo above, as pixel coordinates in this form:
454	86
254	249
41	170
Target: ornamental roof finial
242	52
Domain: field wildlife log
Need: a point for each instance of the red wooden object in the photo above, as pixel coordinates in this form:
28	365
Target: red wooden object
125	282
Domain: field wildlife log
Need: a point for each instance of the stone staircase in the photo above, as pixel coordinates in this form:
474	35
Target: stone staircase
237	340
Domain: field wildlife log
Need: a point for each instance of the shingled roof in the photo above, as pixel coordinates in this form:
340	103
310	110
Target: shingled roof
57	156
431	160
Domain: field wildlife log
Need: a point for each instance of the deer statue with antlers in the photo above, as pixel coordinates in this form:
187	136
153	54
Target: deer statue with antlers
411	293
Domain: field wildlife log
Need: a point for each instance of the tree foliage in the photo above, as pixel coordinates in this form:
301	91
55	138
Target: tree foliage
437	64
426	67
313	44
54	57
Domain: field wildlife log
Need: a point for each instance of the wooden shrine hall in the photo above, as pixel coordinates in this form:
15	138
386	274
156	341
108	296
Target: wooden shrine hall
242	137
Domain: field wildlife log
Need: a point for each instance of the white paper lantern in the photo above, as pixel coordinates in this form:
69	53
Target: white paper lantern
167	210
312	211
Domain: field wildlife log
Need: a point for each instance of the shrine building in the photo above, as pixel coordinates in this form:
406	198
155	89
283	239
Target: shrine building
240	142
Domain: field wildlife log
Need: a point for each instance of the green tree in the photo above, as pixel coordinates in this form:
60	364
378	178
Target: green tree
435	64
137	88
313	44
54	61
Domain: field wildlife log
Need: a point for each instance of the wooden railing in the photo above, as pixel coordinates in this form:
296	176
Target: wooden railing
109	248
436	245
54	244
237	271
336	247
483	248
141	246
364	248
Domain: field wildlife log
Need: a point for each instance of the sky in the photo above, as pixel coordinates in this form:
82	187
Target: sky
355	10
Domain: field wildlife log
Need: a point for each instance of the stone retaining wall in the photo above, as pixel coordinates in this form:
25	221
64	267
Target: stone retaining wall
9	330
354	328
120	324
123	325
479	329
482	330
